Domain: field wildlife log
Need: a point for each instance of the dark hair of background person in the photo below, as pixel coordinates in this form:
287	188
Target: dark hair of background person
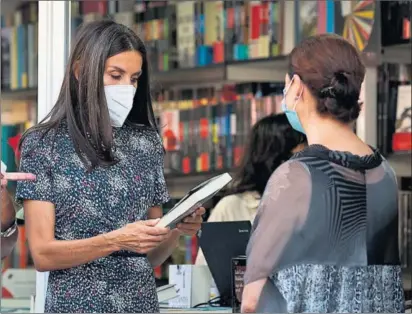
332	69
270	143
82	103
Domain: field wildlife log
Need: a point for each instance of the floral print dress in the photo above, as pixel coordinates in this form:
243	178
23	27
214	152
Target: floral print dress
91	203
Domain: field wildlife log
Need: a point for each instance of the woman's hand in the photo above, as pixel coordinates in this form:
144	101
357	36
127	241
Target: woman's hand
191	225
140	237
251	295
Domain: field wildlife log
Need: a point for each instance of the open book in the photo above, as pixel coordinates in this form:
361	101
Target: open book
194	199
165	293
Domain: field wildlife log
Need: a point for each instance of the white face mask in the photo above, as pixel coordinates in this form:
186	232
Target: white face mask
119	100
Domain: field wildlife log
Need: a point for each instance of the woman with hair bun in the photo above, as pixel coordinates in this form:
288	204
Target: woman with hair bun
325	238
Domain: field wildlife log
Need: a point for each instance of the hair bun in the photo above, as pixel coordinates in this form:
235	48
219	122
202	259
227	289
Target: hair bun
341	77
341	97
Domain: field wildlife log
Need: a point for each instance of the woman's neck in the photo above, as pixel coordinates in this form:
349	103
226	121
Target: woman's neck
335	136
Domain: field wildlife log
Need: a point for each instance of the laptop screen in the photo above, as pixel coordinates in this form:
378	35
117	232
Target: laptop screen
220	243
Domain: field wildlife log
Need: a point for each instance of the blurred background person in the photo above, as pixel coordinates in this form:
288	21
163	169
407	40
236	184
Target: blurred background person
271	142
325	238
9	231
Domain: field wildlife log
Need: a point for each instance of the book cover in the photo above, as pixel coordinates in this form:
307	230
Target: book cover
307	19
6	34
193	130
275	27
186	33
30	55
24	56
171	52
218	44
95	6
222	133
169	123
237	122
196	141
230	33
264	41
215	134
254	28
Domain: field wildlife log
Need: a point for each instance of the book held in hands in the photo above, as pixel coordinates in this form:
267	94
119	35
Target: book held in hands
194	199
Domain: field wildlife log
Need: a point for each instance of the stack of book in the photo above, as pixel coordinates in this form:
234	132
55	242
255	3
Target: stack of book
187	34
206	130
19	38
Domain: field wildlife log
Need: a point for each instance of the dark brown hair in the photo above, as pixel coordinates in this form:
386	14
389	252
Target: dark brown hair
333	71
270	143
82	102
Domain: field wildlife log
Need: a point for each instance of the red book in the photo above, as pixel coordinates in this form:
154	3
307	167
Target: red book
255	20
402	142
98	6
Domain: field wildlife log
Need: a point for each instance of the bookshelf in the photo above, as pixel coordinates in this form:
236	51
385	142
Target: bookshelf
192	49
28	93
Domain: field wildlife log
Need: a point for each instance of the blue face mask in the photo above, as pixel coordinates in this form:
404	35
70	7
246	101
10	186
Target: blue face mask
291	113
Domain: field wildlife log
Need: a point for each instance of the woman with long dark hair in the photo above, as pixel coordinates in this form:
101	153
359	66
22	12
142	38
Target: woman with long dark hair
271	142
91	214
325	238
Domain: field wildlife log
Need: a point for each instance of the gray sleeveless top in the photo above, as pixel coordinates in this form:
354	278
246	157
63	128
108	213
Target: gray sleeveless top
326	236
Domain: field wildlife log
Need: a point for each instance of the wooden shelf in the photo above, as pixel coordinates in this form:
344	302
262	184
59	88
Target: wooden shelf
256	70
18	94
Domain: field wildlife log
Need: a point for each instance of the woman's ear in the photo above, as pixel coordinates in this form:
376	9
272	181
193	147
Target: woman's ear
297	80
76	69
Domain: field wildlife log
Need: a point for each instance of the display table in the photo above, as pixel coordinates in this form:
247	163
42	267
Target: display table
198	310
15	306
23	306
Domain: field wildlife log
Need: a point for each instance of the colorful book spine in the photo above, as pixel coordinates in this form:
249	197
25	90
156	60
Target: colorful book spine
254	33
275	29
230	33
6	38
203	52
186	33
218	44
172	52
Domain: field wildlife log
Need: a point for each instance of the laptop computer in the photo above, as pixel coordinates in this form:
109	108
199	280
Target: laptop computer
220	243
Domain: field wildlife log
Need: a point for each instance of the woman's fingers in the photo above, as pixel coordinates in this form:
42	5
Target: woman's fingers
200	211
196	220
154	231
19	176
154	239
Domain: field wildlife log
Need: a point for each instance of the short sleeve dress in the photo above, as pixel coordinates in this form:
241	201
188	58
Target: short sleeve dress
91	203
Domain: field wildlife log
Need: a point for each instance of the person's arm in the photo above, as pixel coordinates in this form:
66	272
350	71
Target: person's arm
8	219
189	227
51	254
38	199
282	212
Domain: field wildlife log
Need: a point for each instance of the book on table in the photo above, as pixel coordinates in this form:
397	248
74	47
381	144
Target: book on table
194	199
166	293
